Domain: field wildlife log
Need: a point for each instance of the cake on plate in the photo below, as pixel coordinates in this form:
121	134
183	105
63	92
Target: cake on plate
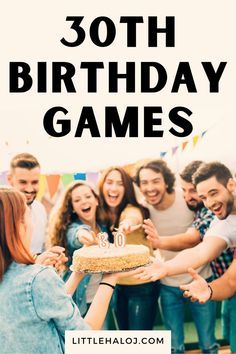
112	259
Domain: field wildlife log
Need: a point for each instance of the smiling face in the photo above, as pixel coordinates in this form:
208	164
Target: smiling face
84	203
190	195
113	189
216	197
26	181
152	185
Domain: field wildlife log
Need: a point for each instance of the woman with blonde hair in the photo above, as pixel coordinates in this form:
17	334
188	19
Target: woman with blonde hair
75	224
36	306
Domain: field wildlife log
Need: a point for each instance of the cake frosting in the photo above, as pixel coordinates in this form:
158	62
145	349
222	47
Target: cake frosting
96	259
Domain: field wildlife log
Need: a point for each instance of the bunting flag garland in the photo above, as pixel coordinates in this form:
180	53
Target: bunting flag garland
42	187
195	140
163	154
3	178
174	149
92	177
66	179
53	183
80	176
203	133
184	144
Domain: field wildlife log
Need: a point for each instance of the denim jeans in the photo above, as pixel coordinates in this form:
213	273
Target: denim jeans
204	315
228	313
136	306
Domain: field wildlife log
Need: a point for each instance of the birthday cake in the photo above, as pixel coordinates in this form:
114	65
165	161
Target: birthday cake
112	259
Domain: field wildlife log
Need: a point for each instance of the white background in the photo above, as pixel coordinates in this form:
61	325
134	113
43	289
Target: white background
31	32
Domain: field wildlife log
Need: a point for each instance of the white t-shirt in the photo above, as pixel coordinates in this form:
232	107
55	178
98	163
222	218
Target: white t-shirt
39	223
172	221
225	229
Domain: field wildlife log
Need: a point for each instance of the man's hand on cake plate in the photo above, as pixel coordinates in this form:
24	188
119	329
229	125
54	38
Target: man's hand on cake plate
155	271
152	234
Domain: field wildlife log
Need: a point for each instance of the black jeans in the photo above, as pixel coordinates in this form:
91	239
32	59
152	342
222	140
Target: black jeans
136	305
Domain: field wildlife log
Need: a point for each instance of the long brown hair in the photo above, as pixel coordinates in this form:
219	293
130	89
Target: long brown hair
12	209
64	215
128	198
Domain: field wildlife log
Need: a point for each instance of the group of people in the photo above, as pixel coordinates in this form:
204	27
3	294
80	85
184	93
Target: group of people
182	229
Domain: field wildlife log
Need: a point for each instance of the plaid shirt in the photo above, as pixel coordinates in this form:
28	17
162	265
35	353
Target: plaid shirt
201	222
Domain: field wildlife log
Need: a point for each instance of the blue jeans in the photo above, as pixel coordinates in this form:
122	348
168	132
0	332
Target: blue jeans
136	306
228	318
172	309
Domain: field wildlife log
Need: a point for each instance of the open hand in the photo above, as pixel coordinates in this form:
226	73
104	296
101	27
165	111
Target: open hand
156	270
151	231
198	290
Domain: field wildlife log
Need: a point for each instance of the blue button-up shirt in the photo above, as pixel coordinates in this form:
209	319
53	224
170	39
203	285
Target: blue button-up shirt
73	244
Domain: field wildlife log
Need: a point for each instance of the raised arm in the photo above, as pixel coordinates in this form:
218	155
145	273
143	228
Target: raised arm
194	257
130	220
177	242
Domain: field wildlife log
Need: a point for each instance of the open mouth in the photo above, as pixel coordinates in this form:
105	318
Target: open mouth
86	210
113	197
217	209
152	195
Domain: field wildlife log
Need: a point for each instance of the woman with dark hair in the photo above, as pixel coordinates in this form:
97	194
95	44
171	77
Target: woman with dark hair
75	224
136	301
36	306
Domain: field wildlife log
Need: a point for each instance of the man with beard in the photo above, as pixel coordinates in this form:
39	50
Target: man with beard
170	215
216	188
24	175
193	236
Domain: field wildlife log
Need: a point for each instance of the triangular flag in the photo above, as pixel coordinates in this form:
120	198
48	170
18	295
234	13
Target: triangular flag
184	144
163	154
53	182
92	177
174	149
80	176
42	187
203	133
67	178
3	177
195	139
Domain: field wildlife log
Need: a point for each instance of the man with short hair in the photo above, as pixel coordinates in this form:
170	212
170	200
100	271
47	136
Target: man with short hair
170	215
217	189
193	236
24	175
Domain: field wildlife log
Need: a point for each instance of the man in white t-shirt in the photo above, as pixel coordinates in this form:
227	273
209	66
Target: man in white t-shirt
171	216
24	175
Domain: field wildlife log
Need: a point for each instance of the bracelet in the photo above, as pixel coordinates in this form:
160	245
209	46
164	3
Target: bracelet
104	283
211	291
